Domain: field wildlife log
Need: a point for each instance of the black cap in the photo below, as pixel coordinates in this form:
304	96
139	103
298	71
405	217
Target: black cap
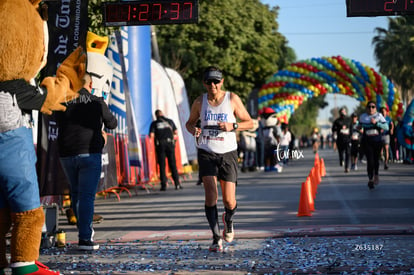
213	75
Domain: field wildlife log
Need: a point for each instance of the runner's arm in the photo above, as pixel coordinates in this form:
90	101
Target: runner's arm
245	122
194	116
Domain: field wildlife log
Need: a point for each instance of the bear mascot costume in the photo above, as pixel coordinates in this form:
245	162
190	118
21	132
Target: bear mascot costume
23	52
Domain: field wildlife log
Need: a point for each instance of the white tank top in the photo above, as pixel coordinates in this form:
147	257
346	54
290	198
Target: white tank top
212	139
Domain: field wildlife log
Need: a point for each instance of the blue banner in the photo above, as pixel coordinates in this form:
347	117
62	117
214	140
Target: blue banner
139	75
117	98
120	100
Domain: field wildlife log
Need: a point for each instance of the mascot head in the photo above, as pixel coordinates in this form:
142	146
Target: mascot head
23	37
99	66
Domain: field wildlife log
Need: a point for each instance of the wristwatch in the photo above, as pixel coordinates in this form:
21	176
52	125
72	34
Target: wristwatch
235	126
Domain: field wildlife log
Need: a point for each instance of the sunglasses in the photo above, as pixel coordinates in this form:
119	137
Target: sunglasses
209	81
372	106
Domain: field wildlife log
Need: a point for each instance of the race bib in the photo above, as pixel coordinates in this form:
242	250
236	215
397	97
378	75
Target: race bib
344	131
355	136
211	133
372	132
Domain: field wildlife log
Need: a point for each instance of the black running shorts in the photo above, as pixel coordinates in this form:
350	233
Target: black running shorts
223	166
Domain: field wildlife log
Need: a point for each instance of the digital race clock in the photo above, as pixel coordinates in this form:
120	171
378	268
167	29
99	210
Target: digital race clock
147	12
379	7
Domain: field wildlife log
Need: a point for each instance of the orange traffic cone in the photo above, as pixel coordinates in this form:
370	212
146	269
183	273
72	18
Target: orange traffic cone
309	193
317	174
316	162
304	209
323	170
313	182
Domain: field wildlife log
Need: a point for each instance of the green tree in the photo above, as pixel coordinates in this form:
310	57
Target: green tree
304	118
95	17
244	42
394	52
335	113
239	36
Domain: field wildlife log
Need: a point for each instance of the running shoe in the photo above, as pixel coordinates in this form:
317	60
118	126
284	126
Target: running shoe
376	180
371	184
216	246
97	218
87	245
228	232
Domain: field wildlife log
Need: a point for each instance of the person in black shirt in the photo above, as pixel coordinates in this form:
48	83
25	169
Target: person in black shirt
80	142
355	141
373	124
163	131
341	128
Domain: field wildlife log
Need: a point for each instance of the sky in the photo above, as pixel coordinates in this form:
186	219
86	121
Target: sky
317	28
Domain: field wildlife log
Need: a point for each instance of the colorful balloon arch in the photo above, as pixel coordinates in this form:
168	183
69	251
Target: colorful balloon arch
287	89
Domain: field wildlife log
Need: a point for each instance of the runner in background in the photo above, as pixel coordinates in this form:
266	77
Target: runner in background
341	128
315	138
355	141
386	137
372	123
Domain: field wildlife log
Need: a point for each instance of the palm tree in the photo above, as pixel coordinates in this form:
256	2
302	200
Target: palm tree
394	53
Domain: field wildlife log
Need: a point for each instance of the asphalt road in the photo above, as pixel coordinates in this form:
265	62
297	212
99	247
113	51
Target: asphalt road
353	230
267	201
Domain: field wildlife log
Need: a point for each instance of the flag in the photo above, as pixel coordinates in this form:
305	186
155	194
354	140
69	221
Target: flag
67	23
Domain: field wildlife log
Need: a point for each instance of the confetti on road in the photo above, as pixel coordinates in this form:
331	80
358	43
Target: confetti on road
310	255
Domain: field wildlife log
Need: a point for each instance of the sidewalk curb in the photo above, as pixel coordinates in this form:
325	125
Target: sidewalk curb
272	232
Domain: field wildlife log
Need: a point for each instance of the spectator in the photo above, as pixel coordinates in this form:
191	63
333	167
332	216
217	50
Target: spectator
260	144
163	131
81	142
294	143
271	135
410	151
322	144
247	146
400	150
285	139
